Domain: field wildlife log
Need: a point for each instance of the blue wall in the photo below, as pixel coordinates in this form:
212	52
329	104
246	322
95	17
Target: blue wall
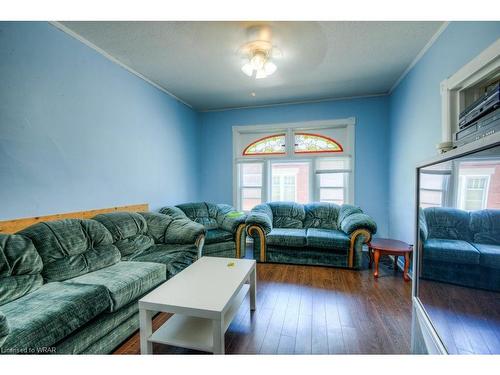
78	132
372	135
415	113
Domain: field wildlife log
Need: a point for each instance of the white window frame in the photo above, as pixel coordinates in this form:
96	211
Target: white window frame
290	156
462	195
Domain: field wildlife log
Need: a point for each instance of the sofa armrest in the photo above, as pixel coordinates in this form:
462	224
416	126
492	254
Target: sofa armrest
358	221
4	328
231	220
174	212
261	219
184	231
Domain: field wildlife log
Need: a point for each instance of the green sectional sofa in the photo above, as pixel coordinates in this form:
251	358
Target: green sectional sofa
72	286
461	247
316	233
226	236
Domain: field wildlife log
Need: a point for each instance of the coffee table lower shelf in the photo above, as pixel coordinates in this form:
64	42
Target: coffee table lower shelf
195	333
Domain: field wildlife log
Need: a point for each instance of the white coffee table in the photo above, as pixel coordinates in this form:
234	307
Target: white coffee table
204	298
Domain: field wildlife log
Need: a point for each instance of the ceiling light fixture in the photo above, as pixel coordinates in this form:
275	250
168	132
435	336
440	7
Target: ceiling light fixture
258	53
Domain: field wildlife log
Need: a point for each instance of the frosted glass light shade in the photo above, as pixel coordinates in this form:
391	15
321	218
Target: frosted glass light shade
247	69
269	68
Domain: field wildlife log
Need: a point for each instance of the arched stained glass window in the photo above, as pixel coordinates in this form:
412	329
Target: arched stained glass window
271	145
310	143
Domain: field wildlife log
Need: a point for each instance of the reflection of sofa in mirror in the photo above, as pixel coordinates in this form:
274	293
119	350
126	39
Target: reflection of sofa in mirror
461	247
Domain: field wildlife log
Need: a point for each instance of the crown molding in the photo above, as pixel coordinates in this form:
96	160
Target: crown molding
88	43
420	55
332	99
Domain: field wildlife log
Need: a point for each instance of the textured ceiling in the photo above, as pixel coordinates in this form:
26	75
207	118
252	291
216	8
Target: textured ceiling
199	63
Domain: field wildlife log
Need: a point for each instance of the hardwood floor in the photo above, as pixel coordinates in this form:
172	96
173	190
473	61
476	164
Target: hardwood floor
466	319
315	310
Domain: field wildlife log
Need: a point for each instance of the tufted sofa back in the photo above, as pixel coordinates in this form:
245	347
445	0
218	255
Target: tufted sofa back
201	212
321	215
287	214
448	223
129	231
485	226
72	247
20	267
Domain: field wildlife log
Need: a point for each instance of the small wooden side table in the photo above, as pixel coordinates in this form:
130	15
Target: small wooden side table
385	246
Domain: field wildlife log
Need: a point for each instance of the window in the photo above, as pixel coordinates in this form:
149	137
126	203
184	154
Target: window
290	181
296	162
433	188
273	144
310	143
473	192
250	182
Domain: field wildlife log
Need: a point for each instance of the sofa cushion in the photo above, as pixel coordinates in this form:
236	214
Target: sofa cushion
201	212
129	231
51	313
453	251
485	225
287	214
287	237
490	255
20	267
72	247
448	223
4	328
124	281
157	225
218	235
175	257
321	215
328	239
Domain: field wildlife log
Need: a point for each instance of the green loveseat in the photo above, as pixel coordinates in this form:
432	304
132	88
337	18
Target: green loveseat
461	247
226	236
72	286
316	233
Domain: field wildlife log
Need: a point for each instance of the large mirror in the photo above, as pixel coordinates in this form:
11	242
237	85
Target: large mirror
459	251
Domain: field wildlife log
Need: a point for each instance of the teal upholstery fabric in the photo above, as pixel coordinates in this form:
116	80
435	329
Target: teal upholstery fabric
489	255
157	225
422	225
345	211
485	225
287	214
218	235
174	256
98	329
455	251
309	256
448	223
4	328
358	221
201	212
114	338
222	249
124	281
328	239
129	231
321	215
183	231
312	230
173	212
228	218
49	314
20	267
261	215
72	247
287	237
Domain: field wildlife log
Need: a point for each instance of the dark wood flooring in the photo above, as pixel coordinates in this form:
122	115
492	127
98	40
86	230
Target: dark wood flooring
315	310
467	320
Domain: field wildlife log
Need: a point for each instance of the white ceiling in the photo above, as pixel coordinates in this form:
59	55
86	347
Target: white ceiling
198	61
